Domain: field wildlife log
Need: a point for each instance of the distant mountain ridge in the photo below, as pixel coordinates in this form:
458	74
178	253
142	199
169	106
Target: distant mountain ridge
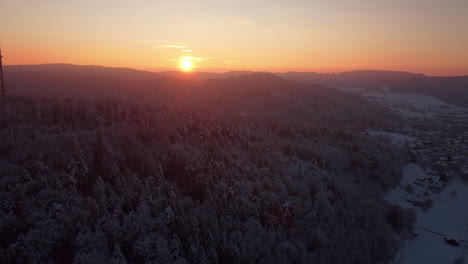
65	70
357	75
254	94
453	90
51	78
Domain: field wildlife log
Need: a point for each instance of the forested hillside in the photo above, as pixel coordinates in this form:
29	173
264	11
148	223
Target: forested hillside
249	169
96	81
243	93
105	181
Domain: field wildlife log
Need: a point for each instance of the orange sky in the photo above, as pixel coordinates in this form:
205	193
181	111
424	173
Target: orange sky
428	36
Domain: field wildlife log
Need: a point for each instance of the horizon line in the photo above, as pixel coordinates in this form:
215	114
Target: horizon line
162	70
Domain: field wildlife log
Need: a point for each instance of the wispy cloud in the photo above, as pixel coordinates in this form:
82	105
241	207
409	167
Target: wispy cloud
193	58
164	42
187	50
173	46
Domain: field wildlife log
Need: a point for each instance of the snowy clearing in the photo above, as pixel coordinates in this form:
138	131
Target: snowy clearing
448	217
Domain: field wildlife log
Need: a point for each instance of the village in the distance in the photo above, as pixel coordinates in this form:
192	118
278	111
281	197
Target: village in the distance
435	135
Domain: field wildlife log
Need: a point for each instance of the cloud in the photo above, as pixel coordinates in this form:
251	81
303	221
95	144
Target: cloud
193	58
173	46
187	50
168	43
110	38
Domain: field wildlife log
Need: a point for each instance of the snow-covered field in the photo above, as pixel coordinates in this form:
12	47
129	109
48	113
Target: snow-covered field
397	195
413	104
448	216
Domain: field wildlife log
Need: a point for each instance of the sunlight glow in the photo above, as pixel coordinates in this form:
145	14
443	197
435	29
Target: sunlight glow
186	64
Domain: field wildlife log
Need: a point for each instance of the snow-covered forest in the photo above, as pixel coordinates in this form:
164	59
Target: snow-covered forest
233	132
229	175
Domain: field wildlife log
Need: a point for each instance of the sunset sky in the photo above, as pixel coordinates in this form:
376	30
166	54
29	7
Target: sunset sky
428	36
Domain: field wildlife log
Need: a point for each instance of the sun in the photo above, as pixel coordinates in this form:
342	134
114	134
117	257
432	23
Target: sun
186	64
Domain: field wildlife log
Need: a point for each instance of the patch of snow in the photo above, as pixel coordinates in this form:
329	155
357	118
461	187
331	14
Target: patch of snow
397	195
448	217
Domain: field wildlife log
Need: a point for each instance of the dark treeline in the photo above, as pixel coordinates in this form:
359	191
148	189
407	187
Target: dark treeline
110	181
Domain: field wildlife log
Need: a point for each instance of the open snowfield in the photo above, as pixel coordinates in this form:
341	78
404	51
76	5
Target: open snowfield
448	217
413	104
397	195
